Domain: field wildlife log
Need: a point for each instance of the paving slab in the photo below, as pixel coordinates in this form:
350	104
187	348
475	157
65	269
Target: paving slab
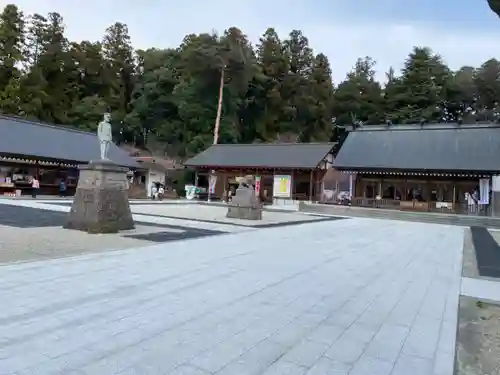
481	289
318	298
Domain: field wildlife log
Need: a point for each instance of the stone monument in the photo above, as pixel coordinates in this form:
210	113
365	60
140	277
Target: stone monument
245	203
101	201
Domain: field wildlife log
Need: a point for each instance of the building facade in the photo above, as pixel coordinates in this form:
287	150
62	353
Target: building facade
286	171
431	167
50	153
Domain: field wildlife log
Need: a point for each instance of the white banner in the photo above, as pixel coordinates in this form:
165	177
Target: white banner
211	187
495	183
484	191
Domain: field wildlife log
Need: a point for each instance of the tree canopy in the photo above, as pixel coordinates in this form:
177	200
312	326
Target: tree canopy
276	90
495	6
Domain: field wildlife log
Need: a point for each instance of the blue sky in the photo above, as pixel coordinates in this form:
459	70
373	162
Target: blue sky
464	32
448	13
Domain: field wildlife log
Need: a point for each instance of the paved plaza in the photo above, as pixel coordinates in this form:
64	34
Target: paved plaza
297	295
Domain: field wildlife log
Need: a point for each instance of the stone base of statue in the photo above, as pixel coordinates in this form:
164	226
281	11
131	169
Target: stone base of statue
101	201
245	205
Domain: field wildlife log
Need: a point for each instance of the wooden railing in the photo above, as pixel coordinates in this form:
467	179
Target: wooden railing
438	207
376	203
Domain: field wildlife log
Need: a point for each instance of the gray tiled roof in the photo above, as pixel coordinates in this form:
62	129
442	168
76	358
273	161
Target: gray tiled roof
446	148
260	155
22	137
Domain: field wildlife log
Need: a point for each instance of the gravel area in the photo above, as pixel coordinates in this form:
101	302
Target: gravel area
478	349
478	337
32	230
28	244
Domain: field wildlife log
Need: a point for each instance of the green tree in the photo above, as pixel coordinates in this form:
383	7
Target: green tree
359	97
297	88
487	80
154	108
119	69
319	125
12	28
33	85
87	112
460	96
495	6
89	69
268	100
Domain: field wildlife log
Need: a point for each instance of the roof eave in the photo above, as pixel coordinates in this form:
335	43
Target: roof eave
401	169
249	166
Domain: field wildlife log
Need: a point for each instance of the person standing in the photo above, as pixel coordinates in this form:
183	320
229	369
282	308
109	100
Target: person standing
62	188
35	186
154	191
161	192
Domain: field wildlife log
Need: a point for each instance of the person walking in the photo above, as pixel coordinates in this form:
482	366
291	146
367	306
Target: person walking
35	186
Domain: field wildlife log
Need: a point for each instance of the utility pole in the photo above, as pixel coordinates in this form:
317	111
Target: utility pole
219	106
217	125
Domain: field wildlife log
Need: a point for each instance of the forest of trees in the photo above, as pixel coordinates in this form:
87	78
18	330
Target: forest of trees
277	90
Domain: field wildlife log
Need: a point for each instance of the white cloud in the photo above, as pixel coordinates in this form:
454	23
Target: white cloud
342	38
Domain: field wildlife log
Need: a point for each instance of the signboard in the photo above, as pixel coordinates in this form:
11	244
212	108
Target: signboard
257	185
282	186
496	184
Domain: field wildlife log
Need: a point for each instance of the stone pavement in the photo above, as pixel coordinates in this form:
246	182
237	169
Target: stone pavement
357	297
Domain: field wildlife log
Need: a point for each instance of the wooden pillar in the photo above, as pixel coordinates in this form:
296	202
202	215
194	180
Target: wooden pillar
351	193
454	195
224	184
311	185
319	185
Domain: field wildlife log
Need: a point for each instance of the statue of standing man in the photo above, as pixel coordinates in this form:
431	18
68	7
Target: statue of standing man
105	136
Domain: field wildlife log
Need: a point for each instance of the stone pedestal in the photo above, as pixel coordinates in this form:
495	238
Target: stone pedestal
101	201
245	205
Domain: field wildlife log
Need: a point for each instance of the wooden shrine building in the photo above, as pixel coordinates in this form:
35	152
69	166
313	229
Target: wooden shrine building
51	153
426	167
305	164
